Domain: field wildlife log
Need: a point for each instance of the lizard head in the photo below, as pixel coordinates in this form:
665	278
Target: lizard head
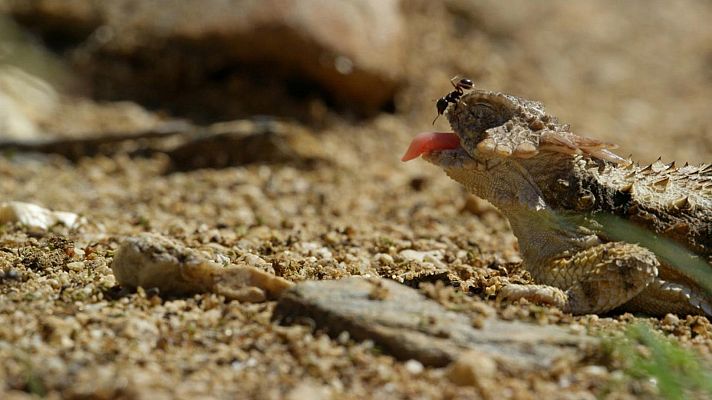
497	124
496	136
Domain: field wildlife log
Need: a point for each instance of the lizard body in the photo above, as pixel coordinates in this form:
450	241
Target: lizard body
560	191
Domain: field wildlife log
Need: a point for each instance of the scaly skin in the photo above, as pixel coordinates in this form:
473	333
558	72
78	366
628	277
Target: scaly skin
556	188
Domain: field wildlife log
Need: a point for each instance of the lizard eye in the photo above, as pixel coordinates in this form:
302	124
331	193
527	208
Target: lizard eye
488	115
478	112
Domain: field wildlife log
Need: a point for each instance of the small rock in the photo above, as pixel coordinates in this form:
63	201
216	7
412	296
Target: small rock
221	259
434	256
240	282
415	367
9	274
671	319
577	328
473	368
315	249
311	391
596	371
75	266
418	183
254	260
150	260
383	259
35	217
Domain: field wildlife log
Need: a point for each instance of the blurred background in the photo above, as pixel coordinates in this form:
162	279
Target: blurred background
637	73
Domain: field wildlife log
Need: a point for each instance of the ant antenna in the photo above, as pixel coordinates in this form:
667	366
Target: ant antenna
452	81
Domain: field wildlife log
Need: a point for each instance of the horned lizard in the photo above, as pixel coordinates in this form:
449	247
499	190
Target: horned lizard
553	185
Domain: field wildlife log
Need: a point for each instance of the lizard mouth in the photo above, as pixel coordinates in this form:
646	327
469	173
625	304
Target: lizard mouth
429	142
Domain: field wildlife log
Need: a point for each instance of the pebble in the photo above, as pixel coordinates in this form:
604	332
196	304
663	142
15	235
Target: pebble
473	368
384	259
254	260
153	261
36	217
307	390
415	367
433	257
314	249
671	319
597	371
75	266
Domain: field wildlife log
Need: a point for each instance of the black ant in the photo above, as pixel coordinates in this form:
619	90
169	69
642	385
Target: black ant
454	96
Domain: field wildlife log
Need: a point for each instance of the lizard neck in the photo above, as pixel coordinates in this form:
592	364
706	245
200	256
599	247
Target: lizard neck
519	191
545	234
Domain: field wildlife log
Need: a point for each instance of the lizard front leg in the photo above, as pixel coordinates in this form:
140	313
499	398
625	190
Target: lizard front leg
593	280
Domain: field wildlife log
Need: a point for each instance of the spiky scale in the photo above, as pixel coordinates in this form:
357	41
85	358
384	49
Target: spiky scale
647	169
680	203
661	184
586	202
628	187
680	228
658	165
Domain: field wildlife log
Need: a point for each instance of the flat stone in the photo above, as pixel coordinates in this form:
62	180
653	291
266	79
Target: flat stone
407	325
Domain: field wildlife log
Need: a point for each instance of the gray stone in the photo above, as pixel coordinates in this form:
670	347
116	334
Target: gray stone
407	325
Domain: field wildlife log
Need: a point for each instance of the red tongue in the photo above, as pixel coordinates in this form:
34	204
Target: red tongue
429	141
